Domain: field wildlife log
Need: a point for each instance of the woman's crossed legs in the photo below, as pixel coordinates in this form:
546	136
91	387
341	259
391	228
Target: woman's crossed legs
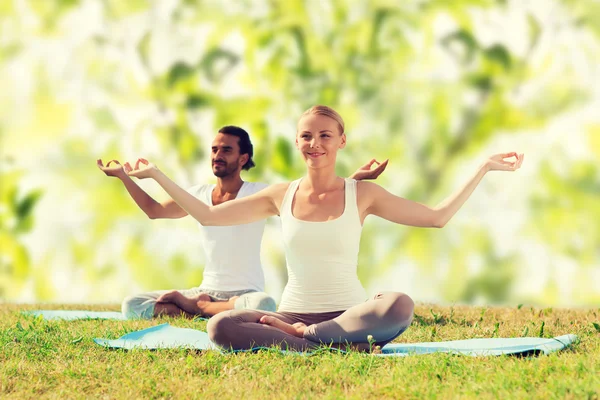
384	318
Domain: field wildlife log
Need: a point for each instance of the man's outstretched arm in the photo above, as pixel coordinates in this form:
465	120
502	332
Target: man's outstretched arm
152	208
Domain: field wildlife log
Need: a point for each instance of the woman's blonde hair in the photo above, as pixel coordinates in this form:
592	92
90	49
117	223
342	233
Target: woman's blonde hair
328	112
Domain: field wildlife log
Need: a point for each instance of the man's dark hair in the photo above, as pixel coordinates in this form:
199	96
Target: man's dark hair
243	142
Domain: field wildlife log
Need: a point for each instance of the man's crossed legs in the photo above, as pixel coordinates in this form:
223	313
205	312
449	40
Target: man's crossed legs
193	302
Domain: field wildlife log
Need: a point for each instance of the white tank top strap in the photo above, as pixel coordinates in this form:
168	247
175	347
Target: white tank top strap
286	204
351	199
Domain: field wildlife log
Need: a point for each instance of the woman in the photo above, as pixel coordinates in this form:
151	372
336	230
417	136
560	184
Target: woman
321	217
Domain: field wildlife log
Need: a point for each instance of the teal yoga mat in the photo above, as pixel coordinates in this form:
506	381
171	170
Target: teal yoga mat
483	347
162	336
167	336
71	315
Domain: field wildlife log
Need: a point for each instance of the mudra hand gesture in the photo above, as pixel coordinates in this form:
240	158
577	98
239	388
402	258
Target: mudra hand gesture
143	169
499	162
115	170
365	172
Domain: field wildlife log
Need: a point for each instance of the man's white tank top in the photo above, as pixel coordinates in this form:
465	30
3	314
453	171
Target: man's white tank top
321	258
232	252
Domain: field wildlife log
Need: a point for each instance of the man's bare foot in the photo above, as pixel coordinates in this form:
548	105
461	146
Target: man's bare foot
202	297
296	329
202	300
169	297
209	307
196	303
187	304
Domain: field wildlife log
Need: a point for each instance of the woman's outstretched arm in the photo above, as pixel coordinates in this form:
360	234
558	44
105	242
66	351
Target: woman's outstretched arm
236	212
380	202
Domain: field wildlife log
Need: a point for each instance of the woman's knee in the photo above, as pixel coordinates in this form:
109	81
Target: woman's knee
226	326
218	327
400	307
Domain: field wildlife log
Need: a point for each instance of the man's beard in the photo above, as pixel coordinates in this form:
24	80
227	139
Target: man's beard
225	170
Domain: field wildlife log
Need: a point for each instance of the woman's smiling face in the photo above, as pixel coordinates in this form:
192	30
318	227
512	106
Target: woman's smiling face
319	139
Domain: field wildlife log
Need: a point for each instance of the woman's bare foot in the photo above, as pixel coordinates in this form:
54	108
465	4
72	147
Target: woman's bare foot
296	329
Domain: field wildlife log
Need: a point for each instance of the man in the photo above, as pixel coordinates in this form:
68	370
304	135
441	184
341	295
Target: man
233	275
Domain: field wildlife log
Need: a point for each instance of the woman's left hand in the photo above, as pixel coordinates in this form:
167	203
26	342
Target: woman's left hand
365	172
143	169
503	162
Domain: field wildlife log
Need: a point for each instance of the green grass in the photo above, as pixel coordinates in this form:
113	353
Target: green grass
49	359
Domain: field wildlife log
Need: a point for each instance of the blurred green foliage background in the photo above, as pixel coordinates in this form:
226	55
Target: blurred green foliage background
436	86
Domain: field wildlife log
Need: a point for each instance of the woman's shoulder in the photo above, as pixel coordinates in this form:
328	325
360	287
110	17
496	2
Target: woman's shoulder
369	191
367	187
281	186
276	189
277	192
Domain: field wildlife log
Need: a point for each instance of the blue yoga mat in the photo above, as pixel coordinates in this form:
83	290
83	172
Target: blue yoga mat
166	336
70	315
162	336
483	347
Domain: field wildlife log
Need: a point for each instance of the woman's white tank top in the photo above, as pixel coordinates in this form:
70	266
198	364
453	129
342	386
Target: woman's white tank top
321	258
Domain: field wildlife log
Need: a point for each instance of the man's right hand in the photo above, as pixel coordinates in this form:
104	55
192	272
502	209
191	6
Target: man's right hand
153	209
116	170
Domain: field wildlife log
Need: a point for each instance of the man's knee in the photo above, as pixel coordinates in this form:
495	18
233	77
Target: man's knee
137	307
256	301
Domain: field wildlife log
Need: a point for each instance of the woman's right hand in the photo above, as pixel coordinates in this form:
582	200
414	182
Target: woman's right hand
499	162
116	170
